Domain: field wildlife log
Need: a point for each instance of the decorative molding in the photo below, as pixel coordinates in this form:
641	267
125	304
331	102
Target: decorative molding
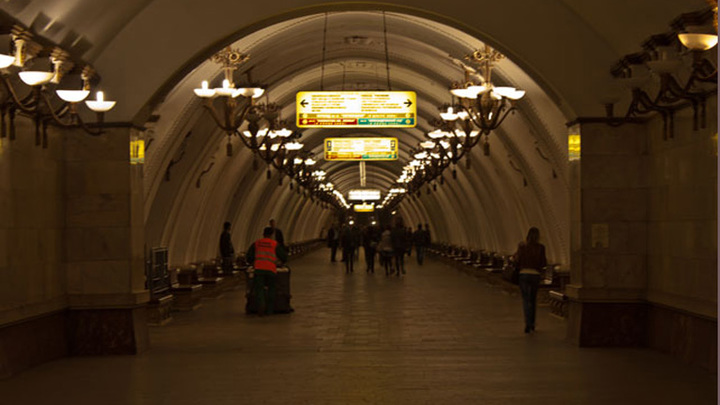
180	155
204	172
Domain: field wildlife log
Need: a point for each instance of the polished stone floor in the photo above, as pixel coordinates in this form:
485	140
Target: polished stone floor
434	336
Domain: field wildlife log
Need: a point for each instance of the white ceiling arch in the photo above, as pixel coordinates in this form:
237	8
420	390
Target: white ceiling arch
151	54
421	60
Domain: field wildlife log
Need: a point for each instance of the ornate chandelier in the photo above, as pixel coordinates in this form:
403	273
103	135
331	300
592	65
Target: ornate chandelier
231	107
481	104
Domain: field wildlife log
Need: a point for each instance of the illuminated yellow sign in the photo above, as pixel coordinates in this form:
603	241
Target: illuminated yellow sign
137	152
356	109
356	149
574	147
364	207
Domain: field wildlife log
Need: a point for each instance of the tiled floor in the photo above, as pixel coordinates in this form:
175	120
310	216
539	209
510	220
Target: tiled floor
434	336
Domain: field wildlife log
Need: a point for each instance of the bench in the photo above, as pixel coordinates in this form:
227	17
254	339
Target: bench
185	290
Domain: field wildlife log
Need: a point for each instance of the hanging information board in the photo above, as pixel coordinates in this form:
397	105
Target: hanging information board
365	194
364	207
358	149
356	109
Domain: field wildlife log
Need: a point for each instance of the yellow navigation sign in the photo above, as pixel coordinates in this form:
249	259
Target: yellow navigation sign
369	207
357	149
356	109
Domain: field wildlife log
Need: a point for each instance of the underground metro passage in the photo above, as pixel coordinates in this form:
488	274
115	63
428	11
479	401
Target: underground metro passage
500	127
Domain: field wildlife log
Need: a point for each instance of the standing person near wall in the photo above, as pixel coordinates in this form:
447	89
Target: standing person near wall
279	238
227	251
420	240
333	239
400	242
265	255
530	259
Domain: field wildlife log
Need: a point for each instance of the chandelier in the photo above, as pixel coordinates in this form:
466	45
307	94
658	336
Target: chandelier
39	101
232	107
672	72
482	104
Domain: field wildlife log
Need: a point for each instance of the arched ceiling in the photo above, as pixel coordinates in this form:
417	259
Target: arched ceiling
151	54
288	57
567	45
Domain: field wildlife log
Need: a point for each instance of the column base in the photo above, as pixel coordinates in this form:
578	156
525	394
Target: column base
608	324
106	331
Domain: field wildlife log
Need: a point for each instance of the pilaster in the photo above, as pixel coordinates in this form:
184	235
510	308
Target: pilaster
104	244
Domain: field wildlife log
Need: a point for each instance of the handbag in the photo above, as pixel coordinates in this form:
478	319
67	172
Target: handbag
511	273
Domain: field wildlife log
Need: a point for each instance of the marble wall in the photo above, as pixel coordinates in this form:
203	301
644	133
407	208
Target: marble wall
682	215
104	256
644	236
32	217
71	246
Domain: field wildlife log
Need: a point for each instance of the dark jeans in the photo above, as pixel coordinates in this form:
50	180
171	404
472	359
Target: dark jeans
420	253
400	263
529	287
370	258
264	290
348	256
386	261
227	264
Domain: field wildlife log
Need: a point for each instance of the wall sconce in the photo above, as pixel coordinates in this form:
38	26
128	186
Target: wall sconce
40	103
665	56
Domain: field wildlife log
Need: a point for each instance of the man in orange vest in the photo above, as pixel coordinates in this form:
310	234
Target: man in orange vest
265	254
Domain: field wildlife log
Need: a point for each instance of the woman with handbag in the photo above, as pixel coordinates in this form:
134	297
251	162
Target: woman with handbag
531	260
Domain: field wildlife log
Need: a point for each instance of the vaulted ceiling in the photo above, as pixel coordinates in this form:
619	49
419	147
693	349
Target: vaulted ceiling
151	54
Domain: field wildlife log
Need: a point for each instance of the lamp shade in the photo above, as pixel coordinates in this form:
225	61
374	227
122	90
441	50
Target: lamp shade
253	92
226	90
72	96
204	91
437	134
283	132
6	61
293	146
35	78
698	42
100	105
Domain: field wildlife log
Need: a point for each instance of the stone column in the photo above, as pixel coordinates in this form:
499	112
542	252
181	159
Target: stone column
609	199
104	238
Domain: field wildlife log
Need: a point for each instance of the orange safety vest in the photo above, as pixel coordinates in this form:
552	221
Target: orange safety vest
265	258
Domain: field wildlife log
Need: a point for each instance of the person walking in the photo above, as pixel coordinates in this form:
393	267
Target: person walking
386	250
421	242
530	259
333	239
227	251
400	242
371	238
265	254
349	240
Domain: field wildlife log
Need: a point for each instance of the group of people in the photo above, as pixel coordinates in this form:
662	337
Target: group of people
391	244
